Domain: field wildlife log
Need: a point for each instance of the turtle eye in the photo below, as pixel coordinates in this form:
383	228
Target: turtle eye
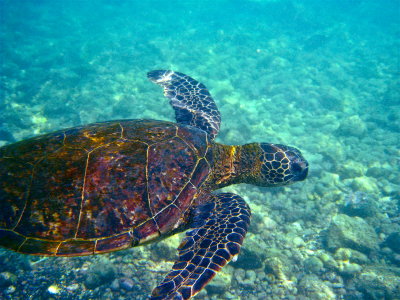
296	168
299	169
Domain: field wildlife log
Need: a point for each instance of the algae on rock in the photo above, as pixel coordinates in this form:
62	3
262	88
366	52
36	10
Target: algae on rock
351	232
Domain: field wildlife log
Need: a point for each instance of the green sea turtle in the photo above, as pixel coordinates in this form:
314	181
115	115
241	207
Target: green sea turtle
114	185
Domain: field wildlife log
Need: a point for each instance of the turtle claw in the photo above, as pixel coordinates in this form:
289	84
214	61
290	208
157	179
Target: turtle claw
215	238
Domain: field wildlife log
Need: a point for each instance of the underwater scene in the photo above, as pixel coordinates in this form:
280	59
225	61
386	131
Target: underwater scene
320	76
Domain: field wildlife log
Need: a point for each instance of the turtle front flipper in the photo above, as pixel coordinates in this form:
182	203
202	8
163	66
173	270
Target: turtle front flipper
190	99
216	235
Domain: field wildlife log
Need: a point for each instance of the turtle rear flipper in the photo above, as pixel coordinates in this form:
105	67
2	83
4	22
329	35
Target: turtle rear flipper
216	236
190	99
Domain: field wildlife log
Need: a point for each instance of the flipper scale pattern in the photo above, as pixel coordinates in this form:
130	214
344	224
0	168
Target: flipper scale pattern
216	235
190	99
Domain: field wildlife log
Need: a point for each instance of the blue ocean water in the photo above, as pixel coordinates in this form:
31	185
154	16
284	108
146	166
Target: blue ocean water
322	76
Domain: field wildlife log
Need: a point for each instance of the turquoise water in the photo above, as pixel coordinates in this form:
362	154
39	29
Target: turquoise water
322	76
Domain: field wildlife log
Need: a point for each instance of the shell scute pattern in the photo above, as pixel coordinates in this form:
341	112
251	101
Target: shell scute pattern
76	247
148	131
54	214
18	164
32	150
178	161
92	136
109	185
188	193
198	141
115	194
37	246
170	167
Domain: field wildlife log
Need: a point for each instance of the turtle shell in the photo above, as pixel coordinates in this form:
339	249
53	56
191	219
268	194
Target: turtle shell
99	188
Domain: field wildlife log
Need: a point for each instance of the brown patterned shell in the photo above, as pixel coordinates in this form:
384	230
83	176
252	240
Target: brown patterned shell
100	187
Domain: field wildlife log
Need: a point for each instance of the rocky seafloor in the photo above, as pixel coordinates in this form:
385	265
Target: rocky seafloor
331	90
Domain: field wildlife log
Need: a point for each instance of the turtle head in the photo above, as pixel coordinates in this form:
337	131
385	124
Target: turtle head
279	165
260	164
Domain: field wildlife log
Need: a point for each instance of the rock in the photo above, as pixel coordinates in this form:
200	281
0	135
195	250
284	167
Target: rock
396	259
351	232
73	287
329	179
359	204
251	275
391	189
351	169
391	96
328	261
100	273
14	262
363	184
379	282
7	278
333	98
54	289
346	254
10	290
279	266
162	250
248	281
298	242
220	284
313	265
269	223
251	255
257	225
393	241
313	288
248	259
115	285
126	283
366	209
346	259
378	172
349	269
239	274
352	126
